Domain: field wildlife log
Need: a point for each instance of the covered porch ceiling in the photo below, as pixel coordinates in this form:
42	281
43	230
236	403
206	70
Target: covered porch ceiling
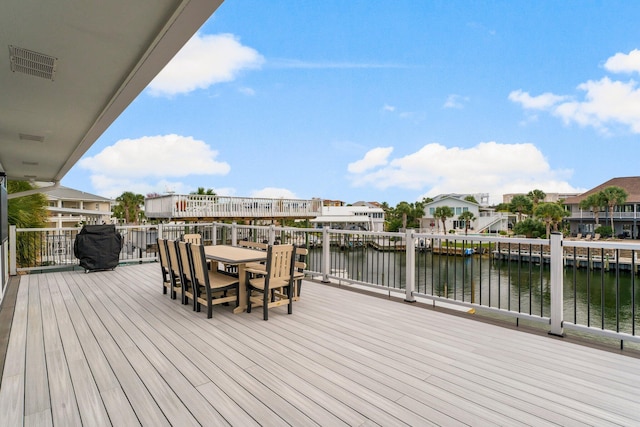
69	68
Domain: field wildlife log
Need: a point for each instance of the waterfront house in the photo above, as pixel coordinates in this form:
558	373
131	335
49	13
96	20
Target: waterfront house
548	198
486	219
361	216
71	208
626	218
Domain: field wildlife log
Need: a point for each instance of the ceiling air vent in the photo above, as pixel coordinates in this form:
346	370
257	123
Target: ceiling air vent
27	137
32	63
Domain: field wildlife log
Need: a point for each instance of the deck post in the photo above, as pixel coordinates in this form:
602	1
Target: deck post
234	233
214	234
13	270
556	275
272	234
326	259
410	248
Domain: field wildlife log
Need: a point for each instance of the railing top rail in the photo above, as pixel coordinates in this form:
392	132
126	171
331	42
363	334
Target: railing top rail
597	244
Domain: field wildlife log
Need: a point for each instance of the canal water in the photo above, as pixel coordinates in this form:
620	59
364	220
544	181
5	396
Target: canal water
596	298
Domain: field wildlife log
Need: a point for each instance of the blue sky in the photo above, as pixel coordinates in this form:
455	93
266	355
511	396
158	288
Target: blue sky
384	101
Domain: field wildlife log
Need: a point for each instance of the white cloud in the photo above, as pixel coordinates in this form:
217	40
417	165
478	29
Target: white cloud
624	63
540	102
247	91
488	167
205	60
606	104
376	157
455	101
273	193
387	107
146	163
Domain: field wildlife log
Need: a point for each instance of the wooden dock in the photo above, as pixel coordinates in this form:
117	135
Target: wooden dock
108	348
593	262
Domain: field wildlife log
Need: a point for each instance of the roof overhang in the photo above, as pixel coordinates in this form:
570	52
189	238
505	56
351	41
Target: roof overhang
95	59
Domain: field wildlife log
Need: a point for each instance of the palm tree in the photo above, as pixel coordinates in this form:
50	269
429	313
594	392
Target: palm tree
129	207
536	196
467	217
614	196
442	213
26	212
593	202
202	192
520	204
550	214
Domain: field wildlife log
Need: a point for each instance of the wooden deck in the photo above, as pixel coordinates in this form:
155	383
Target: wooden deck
108	348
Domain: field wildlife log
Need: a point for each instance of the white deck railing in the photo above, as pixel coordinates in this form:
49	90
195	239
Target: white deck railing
568	284
207	206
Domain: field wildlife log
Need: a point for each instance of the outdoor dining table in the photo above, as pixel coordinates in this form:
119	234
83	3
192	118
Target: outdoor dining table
234	255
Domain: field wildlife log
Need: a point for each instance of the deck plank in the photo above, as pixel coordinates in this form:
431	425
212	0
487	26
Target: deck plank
36	381
129	355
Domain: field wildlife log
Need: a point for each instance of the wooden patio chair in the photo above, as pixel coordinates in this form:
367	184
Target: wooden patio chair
186	274
258	268
192	238
165	269
276	286
174	270
298	271
211	286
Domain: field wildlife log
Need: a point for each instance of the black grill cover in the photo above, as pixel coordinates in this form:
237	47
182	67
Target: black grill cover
98	247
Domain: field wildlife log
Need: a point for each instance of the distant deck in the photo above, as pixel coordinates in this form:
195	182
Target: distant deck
108	348
205	207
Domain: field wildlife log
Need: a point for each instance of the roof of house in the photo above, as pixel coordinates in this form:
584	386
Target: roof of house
460	197
369	204
66	193
631	184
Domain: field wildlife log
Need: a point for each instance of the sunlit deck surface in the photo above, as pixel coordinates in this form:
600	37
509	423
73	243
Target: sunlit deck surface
108	348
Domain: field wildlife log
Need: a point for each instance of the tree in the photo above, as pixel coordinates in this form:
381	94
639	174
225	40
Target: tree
442	213
26	212
129	207
471	199
613	197
529	227
520	204
202	192
536	196
593	202
426	200
467	217
405	215
550	214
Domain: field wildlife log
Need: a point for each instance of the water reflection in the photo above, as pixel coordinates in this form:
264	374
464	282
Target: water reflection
596	298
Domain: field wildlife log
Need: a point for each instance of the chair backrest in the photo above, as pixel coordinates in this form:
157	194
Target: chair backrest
280	261
162	254
192	238
253	245
301	259
174	261
199	263
185	259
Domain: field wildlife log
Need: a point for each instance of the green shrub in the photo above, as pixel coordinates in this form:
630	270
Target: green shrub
604	231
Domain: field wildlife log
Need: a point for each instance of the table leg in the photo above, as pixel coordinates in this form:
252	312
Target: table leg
242	288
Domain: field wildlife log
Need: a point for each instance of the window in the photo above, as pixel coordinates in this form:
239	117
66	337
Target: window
97	206
458	210
432	211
